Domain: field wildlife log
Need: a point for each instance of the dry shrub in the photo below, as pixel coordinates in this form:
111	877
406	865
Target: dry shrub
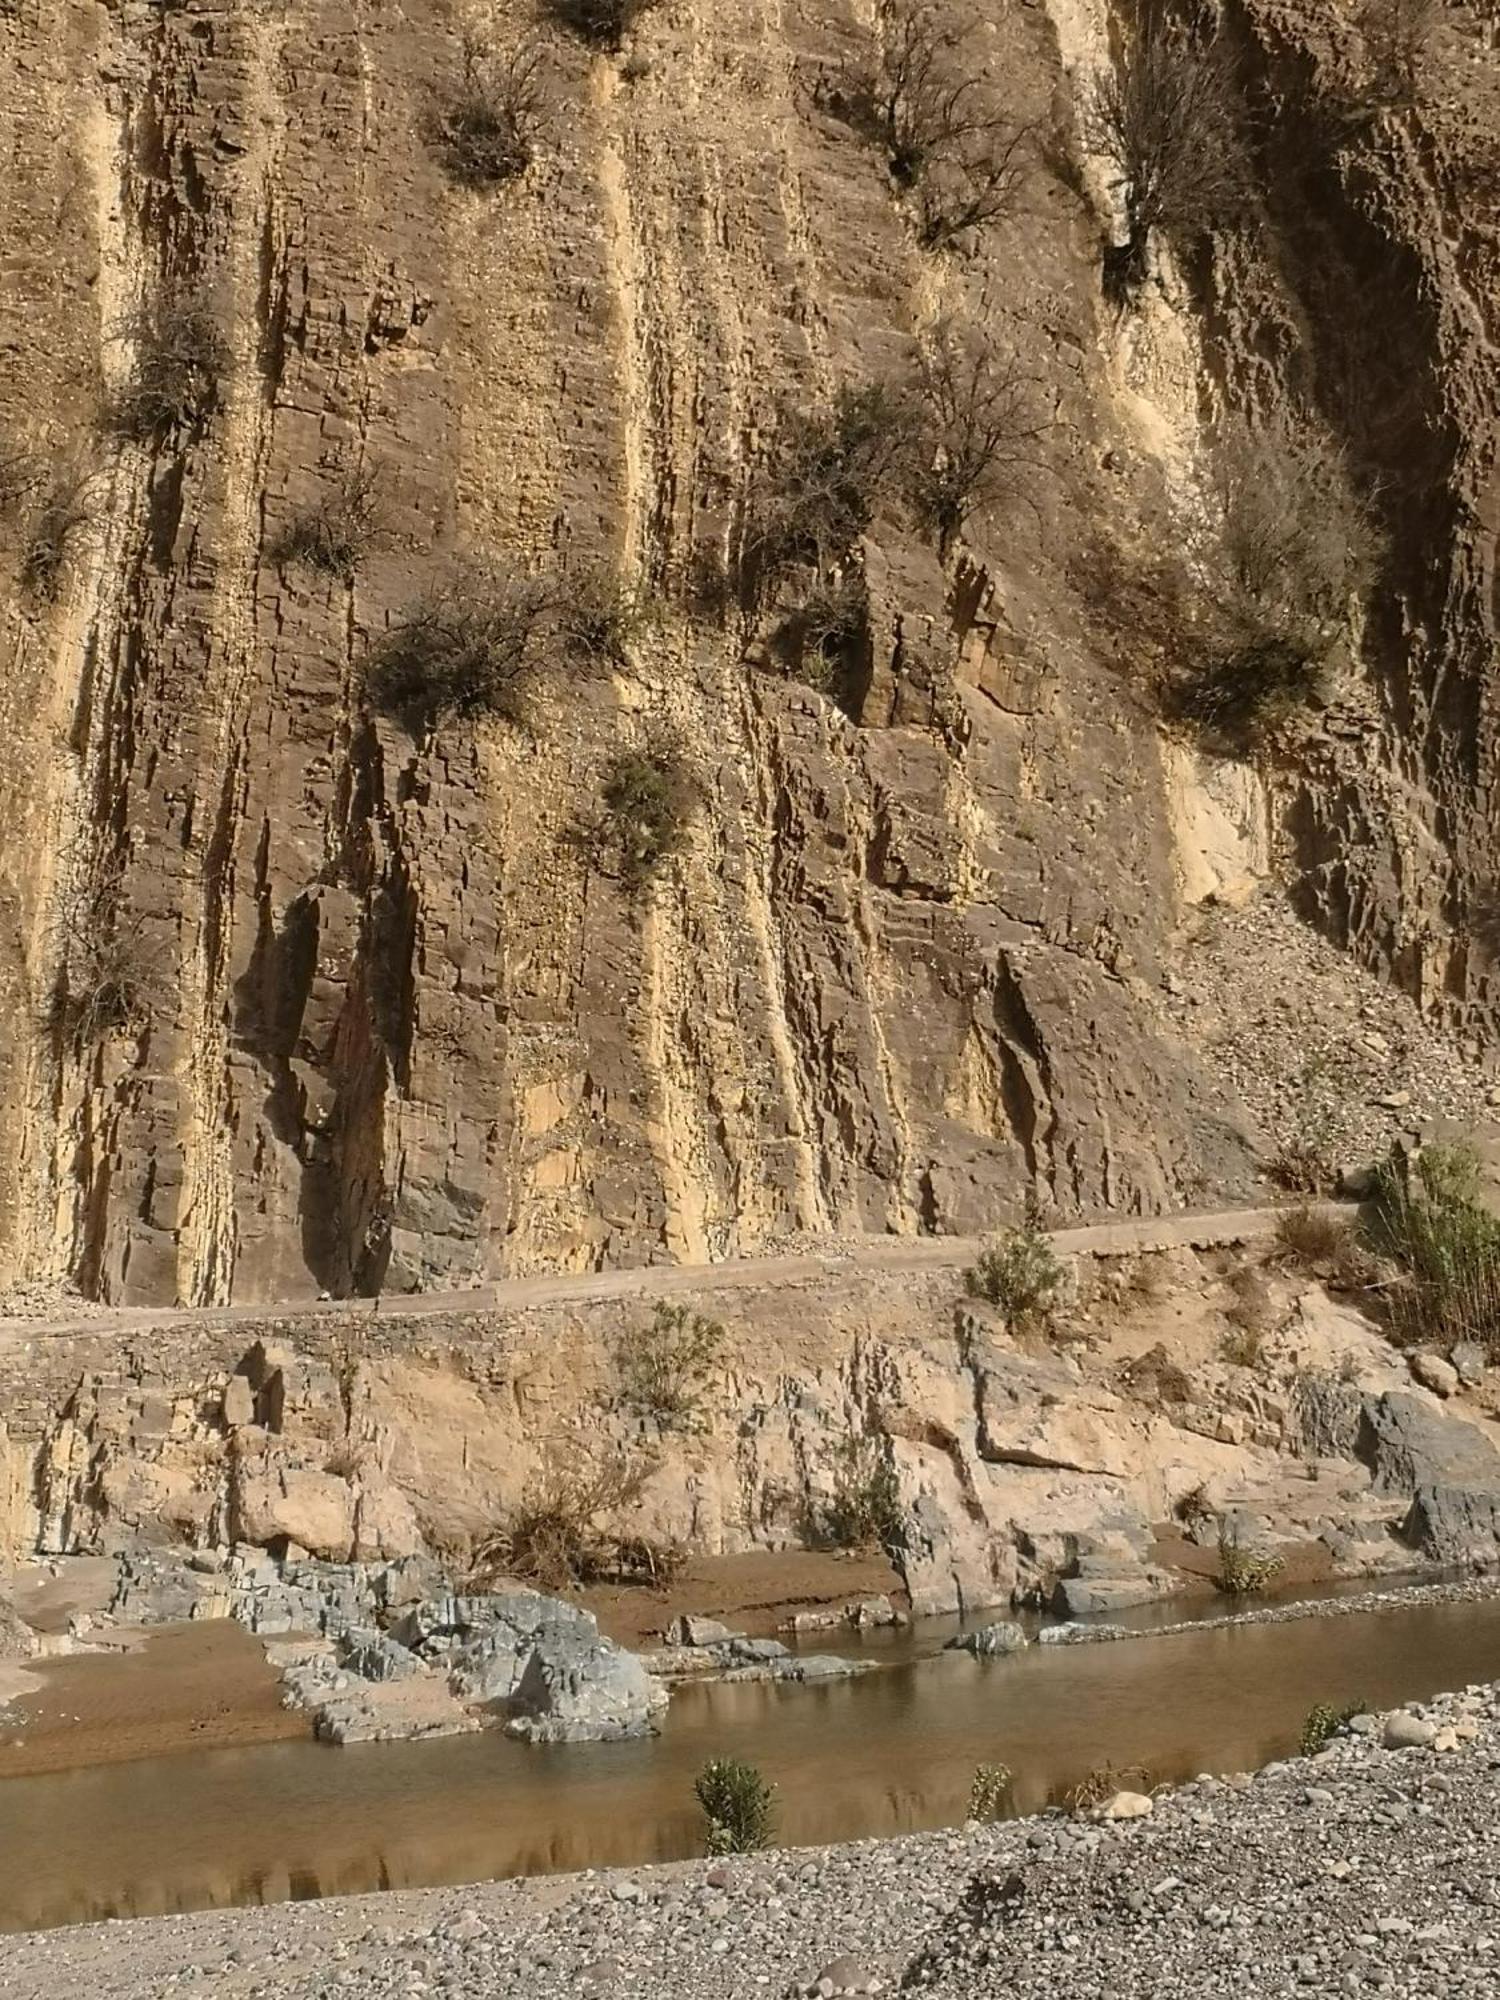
334	534
1319	1242
180	362
486	133
1170	120
985	421
1245	1572
943	136
819	482
61	520
1154	1377
603	23
1296	549
599	617
825	636
475	645
1398	39
1097	1787
560	1535
105	982
1241	1347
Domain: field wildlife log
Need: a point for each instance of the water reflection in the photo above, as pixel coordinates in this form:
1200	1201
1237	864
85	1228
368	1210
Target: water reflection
891	1752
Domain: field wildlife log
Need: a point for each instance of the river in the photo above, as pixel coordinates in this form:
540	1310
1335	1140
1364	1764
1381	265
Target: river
891	1751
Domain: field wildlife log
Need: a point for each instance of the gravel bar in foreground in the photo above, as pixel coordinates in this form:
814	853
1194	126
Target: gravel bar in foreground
1363	1870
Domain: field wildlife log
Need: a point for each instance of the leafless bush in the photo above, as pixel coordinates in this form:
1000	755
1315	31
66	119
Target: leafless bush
1296	549
942	135
820	481
473	646
1398	36
487	132
1169	118
181	360
599	617
985	422
104	983
604	23
60	521
334	534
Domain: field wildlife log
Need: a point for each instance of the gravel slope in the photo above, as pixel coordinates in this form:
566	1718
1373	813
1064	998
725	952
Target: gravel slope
1363	1870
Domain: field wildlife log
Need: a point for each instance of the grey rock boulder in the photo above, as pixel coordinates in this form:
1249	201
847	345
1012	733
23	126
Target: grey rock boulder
990	1641
1408	1444
375	1656
1405	1731
1454	1524
1436	1374
572	1692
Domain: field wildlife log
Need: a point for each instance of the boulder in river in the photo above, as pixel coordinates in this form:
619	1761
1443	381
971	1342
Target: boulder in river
988	1641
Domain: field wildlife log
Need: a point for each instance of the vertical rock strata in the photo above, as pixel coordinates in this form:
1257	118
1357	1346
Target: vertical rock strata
374	1017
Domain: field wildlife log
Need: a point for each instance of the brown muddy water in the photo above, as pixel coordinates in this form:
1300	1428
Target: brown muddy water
890	1752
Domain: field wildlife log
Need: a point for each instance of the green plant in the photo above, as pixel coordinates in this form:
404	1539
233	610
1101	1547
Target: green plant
1244	1572
1169	119
180	361
1020	1274
1323	1724
989	1793
825	633
739	1807
1427	1215
333	535
486	133
473	646
604	23
984	424
665	1365
648	799
865	1509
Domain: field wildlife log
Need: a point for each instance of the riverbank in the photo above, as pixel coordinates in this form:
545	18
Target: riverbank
1364	1869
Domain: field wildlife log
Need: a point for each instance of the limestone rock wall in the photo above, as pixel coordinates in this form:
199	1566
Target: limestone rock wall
388	1027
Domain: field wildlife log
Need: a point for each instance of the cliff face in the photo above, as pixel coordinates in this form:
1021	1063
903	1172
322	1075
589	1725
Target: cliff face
302	1004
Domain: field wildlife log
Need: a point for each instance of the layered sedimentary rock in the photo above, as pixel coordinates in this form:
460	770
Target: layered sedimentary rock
299	1005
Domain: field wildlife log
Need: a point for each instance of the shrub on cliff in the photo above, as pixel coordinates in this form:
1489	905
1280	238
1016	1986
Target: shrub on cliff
604	23
473	646
944	138
819	482
61	520
665	1366
648	799
739	1807
1169	118
485	134
1296	550
985	421
180	362
333	535
1020	1274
